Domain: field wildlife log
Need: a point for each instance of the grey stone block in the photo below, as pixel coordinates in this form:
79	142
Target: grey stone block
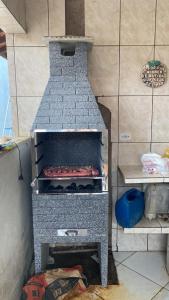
81	77
62	105
88	119
74	126
54	85
54	48
83	91
94	112
68	119
44	106
52	127
68	71
52	99
92	98
42	120
76	84
76	112
96	126
64	61
74	70
87	104
55	71
80	61
67	91
50	112
62	78
76	98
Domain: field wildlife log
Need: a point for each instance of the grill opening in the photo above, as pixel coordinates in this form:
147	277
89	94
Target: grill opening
69	162
68	51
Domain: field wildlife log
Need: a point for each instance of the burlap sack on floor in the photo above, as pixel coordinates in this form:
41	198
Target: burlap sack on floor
64	282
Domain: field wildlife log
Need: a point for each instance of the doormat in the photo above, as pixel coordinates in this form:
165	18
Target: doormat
91	268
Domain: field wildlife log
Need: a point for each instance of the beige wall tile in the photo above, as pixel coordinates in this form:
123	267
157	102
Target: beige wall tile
56	17
135	114
14	108
130	153
36	22
11	70
120	179
161	53
124	189
131	242
132	60
159	147
103	70
9	39
160	129
112	104
157	242
32	70
137	22
27	108
102	21
162	37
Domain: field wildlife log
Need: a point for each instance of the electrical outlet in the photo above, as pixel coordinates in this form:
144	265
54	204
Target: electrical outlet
125	136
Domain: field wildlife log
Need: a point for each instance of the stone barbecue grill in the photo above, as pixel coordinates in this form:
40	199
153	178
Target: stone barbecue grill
69	132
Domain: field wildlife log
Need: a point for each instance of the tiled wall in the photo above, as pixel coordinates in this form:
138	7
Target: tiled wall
124	32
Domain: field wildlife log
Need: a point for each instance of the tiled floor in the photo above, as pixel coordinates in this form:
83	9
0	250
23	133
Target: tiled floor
143	274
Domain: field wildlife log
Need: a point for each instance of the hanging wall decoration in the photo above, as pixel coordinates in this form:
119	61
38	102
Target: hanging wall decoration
154	74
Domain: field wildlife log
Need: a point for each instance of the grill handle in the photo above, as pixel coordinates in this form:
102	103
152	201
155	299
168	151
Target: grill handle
71	232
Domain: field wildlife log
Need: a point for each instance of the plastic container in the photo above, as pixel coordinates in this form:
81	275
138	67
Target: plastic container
156	200
129	209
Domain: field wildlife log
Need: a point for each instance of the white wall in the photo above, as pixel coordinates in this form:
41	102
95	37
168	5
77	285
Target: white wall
15	222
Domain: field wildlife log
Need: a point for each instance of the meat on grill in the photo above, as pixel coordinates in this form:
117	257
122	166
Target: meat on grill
70	171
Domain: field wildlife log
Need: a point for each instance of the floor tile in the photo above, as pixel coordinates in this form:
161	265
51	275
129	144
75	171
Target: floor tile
116	263
137	285
149	264
162	295
121	256
167	287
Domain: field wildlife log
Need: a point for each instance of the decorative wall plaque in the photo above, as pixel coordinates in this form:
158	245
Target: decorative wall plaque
154	74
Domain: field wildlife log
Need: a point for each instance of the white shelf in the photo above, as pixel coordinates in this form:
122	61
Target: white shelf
145	226
134	174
